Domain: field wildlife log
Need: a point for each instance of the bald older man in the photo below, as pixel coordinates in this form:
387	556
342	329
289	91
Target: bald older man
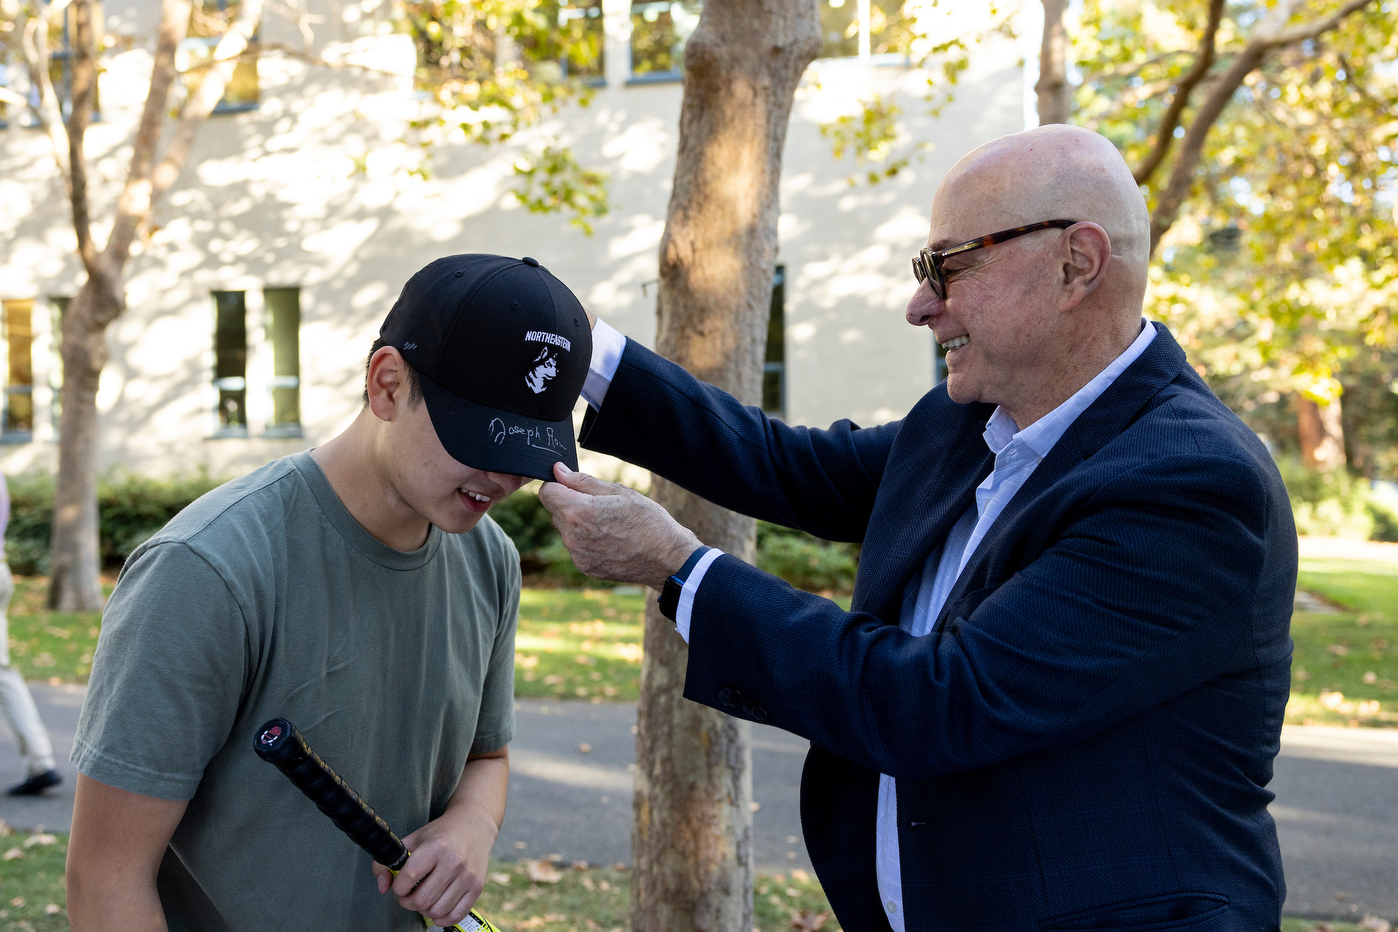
1056	699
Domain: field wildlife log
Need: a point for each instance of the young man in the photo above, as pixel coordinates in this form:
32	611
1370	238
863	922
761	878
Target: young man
355	590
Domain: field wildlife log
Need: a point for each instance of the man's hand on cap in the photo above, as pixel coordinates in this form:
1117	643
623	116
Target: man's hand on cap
613	532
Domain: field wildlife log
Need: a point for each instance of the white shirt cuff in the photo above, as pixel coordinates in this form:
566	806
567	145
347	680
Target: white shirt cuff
607	346
691	587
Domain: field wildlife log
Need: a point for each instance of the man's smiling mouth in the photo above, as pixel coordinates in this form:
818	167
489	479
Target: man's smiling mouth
483	499
955	343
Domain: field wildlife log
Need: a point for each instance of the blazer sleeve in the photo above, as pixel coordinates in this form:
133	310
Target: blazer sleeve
660	417
1146	593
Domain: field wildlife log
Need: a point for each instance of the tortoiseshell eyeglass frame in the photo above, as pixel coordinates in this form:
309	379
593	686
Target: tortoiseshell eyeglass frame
928	262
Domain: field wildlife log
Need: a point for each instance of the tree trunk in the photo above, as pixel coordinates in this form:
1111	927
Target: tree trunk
75	560
1322	434
692	837
1054	92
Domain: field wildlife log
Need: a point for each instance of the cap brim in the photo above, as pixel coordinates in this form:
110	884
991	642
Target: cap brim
498	441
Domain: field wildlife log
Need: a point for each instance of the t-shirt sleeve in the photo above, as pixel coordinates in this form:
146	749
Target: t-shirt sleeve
167	677
496	724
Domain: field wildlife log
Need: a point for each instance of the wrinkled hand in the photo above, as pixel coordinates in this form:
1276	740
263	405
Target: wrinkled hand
446	873
614	532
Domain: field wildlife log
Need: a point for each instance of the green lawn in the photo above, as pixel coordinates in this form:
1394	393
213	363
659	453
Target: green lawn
520	895
1345	667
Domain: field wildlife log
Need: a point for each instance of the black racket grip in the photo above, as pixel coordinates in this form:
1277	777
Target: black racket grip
280	744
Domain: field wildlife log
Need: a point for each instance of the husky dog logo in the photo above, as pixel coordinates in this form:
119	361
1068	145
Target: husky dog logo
545	368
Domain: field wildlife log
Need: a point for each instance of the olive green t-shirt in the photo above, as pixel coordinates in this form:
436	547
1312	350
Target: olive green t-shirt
266	599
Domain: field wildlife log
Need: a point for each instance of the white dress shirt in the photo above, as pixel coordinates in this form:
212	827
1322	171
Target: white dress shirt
1017	454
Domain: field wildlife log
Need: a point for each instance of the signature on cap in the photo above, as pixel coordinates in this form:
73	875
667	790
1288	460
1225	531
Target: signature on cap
538	438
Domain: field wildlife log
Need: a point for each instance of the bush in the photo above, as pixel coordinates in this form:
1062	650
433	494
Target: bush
804	561
1383	505
525	519
130	509
1339	504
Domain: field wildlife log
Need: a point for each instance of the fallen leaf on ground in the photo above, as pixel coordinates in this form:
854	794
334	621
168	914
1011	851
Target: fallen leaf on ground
800	876
579	865
500	878
33	840
53	909
808	921
13	853
542	872
1375	924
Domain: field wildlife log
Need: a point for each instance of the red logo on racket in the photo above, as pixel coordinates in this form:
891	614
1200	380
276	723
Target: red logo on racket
271	734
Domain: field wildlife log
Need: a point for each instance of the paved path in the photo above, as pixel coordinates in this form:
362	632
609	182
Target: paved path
1336	807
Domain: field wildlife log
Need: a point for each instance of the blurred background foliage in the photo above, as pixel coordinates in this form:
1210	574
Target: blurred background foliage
491	68
1280	275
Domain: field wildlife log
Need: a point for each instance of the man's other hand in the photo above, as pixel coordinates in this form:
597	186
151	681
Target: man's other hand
613	532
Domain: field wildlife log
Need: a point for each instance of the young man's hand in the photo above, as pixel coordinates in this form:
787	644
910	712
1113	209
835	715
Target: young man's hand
446	873
451	854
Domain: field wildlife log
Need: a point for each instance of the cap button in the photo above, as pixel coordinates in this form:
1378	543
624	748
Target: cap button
529	260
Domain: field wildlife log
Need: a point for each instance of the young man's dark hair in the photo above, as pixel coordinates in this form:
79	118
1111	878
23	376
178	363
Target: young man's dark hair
357	589
409	373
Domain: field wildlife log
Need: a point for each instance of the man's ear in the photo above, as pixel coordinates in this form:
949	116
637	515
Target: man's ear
387	383
1085	250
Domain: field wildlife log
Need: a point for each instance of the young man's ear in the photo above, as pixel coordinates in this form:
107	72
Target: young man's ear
387	383
1086	250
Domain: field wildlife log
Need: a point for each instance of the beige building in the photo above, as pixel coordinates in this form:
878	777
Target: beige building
287	238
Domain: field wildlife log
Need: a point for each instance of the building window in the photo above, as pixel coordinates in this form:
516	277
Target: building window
231	362
61	64
774	364
658	34
859	27
582	21
18	424
4	99
207	25
58	307
284	330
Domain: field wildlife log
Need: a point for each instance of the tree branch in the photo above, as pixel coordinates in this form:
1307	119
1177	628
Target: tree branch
1165	134
35	43
84	93
1270	35
202	102
1312	30
134	204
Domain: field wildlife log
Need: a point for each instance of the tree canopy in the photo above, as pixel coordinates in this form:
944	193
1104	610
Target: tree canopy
1278	268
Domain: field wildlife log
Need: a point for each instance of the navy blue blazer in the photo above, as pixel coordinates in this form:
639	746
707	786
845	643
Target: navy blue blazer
1085	739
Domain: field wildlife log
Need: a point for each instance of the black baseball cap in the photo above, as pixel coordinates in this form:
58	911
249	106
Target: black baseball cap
501	348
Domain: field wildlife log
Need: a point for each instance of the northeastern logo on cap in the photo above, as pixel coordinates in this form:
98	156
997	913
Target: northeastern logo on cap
545	365
553	339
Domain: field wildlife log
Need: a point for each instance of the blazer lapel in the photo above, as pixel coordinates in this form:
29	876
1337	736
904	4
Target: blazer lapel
1105	419
933	469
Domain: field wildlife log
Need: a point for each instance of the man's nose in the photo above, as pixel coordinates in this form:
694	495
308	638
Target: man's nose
924	305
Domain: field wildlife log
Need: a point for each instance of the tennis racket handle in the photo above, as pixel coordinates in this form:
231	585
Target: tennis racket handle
280	744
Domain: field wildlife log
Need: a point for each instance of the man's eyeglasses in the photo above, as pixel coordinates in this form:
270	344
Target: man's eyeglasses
927	264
